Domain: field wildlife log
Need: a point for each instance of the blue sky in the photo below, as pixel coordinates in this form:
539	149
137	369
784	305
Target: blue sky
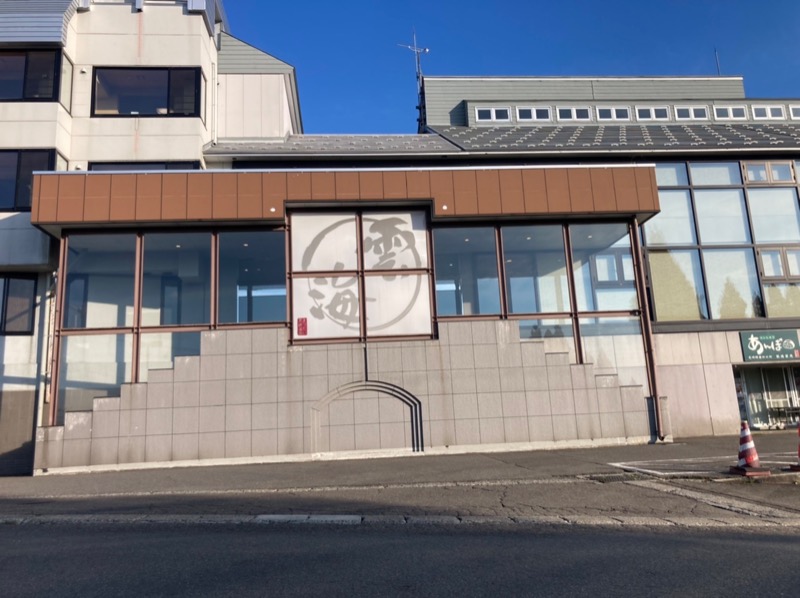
354	78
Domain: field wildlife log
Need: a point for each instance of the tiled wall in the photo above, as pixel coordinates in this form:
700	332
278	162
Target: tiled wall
250	394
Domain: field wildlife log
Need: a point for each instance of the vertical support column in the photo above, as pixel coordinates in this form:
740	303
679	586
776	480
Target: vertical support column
55	366
573	295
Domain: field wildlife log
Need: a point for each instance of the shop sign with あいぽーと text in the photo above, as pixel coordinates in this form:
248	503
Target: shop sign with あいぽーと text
770	345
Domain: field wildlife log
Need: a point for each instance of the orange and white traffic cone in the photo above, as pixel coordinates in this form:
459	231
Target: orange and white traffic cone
749	464
797	467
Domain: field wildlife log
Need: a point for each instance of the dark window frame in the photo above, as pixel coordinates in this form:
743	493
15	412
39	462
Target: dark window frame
55	96
134	166
51	159
3	304
198	100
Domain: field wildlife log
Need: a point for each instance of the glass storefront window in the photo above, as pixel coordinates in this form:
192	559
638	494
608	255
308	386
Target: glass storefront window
776	218
324	242
722	216
556	333
715	173
671	175
398	305
733	290
252	277
92	366
536	269
158	350
100	281
466	271
602	261
674	225
176	289
677	284
614	346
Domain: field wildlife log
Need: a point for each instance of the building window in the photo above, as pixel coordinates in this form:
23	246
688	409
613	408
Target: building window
252	277
147	92
16	176
652	113
613	114
492	114
715	173
135	166
570	113
534	113
794	111
730	112
360	275
768	172
17	304
691	113
29	76
768	112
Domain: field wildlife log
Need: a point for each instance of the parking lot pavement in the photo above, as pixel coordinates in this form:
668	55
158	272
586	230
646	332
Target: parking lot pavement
704	467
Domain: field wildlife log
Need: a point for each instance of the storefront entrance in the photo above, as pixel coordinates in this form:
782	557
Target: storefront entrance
768	397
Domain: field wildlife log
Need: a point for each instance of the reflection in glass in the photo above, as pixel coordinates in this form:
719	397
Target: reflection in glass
781	171
100	281
674	225
92	367
20	303
466	271
783	300
715	173
732	284
771	264
535	264
177	279
555	333
793	259
671	175
603	281
157	351
757	172
722	216
776	218
614	346
252	277
677	284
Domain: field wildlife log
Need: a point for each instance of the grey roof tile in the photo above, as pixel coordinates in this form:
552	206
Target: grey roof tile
333	145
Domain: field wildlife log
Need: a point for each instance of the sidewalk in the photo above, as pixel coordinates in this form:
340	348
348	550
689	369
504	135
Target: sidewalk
657	482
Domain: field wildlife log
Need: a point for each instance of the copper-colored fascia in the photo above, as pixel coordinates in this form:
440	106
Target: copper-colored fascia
151	199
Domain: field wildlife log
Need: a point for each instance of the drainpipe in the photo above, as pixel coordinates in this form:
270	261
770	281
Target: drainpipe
647	328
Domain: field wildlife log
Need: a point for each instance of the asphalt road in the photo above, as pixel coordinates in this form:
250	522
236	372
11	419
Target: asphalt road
422	560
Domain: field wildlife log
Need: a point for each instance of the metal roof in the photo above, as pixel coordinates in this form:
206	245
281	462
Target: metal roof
623	138
35	21
334	145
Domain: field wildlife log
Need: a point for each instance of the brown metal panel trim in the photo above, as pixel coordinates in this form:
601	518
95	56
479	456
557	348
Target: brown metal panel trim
442	191
558	200
198	197
603	190
465	189
645	189
535	191
418	184
97	201
371	185
249	188
173	196
323	186
48	198
347	186
394	185
35	200
512	197
298	186
148	197
488	187
224	196
580	190
123	198
625	189
70	198
273	186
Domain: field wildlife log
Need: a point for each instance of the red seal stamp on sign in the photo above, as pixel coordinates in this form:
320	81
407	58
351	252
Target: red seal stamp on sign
302	326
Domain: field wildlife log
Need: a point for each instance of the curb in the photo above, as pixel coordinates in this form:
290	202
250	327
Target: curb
312	519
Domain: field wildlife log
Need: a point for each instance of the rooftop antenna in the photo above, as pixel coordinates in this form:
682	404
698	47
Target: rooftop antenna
719	70
418	52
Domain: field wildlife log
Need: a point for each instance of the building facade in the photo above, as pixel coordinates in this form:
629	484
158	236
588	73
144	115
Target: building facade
549	262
